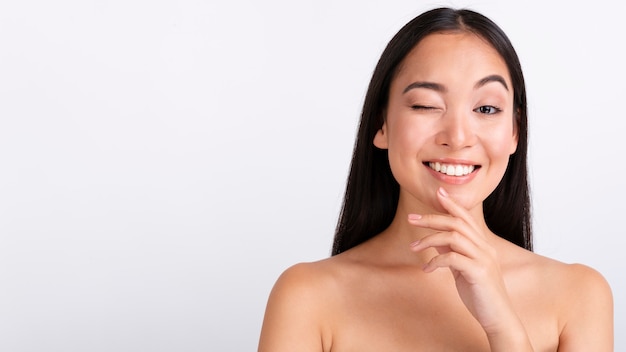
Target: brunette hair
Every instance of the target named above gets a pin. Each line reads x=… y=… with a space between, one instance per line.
x=371 y=196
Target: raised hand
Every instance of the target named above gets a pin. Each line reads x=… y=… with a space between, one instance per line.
x=462 y=246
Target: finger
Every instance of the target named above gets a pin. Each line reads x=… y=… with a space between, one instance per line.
x=451 y=260
x=447 y=241
x=453 y=208
x=457 y=210
x=472 y=271
x=441 y=223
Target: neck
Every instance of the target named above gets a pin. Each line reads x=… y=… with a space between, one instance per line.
x=396 y=239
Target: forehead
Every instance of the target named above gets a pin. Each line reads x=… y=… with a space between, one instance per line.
x=455 y=57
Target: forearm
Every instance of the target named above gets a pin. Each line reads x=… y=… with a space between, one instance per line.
x=513 y=339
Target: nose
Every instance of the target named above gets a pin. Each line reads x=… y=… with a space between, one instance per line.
x=456 y=131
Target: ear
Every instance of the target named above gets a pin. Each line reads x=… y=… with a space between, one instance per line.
x=515 y=140
x=380 y=139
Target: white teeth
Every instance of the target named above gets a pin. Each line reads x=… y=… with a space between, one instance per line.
x=451 y=170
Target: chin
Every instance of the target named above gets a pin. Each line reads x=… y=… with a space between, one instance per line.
x=468 y=202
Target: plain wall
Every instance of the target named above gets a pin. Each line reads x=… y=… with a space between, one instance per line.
x=162 y=162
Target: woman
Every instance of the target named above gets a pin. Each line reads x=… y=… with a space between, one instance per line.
x=433 y=247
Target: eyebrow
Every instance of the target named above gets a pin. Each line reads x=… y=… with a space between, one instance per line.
x=441 y=88
x=427 y=85
x=491 y=78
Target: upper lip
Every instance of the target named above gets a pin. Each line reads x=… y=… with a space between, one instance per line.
x=452 y=161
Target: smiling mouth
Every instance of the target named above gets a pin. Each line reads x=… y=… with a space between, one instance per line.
x=452 y=169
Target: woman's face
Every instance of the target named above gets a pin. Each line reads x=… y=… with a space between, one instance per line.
x=450 y=120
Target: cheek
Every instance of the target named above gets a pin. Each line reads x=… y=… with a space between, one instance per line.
x=500 y=144
x=406 y=143
x=407 y=135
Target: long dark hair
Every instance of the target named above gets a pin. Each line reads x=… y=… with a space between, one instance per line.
x=372 y=193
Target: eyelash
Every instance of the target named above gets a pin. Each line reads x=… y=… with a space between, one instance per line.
x=495 y=108
x=478 y=109
x=422 y=107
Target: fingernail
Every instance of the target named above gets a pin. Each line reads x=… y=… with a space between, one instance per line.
x=443 y=192
x=413 y=244
x=414 y=217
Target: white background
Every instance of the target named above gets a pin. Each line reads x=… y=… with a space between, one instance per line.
x=162 y=162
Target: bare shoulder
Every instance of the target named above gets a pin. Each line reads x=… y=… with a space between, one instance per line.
x=569 y=282
x=573 y=282
x=585 y=279
x=310 y=281
x=577 y=294
x=297 y=308
x=552 y=273
x=587 y=314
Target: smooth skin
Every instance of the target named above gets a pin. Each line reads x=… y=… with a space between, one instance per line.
x=437 y=279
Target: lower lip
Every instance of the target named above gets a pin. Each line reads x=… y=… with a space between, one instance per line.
x=453 y=180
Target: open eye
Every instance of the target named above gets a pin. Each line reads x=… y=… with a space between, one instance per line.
x=487 y=109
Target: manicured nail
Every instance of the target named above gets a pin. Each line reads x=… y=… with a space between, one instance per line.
x=443 y=192
x=414 y=217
